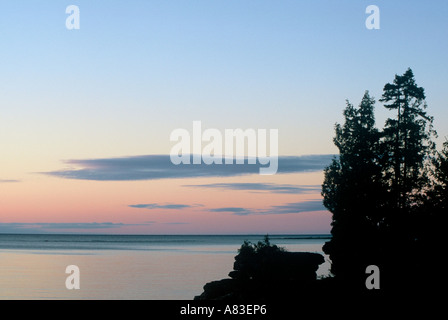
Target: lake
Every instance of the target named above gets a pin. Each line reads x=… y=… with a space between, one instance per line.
x=149 y=267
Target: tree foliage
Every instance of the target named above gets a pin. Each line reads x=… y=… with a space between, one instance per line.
x=387 y=189
x=407 y=139
x=261 y=247
x=440 y=174
x=350 y=181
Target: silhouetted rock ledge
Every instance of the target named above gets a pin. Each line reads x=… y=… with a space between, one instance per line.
x=265 y=272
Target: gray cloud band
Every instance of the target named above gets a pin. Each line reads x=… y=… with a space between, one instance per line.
x=153 y=167
x=295 y=207
x=262 y=187
x=40 y=226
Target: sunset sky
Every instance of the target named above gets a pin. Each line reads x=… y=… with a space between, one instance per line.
x=86 y=115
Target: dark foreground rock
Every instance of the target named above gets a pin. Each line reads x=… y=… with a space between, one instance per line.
x=264 y=272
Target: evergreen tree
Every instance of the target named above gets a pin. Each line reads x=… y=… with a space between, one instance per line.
x=406 y=148
x=352 y=191
x=440 y=196
x=388 y=191
x=429 y=223
x=406 y=140
x=432 y=215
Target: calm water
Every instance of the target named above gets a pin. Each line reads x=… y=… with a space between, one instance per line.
x=125 y=267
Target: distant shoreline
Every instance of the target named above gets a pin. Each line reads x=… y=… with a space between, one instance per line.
x=145 y=242
x=278 y=236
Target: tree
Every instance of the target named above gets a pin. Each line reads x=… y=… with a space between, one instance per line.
x=386 y=209
x=431 y=217
x=406 y=140
x=440 y=162
x=352 y=191
x=407 y=149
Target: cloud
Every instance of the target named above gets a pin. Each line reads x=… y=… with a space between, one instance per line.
x=83 y=225
x=176 y=223
x=235 y=210
x=151 y=167
x=272 y=187
x=76 y=226
x=294 y=207
x=174 y=206
x=8 y=180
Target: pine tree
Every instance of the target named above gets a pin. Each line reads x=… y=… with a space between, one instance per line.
x=406 y=140
x=440 y=162
x=387 y=190
x=352 y=191
x=406 y=148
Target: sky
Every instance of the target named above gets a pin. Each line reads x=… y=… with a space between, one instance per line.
x=86 y=114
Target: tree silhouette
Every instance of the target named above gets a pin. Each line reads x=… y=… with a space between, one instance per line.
x=387 y=190
x=352 y=191
x=430 y=219
x=406 y=148
x=440 y=173
x=406 y=140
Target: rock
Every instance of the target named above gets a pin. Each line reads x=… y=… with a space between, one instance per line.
x=279 y=265
x=266 y=274
x=218 y=290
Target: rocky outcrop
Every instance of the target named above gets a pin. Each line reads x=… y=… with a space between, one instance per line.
x=266 y=272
